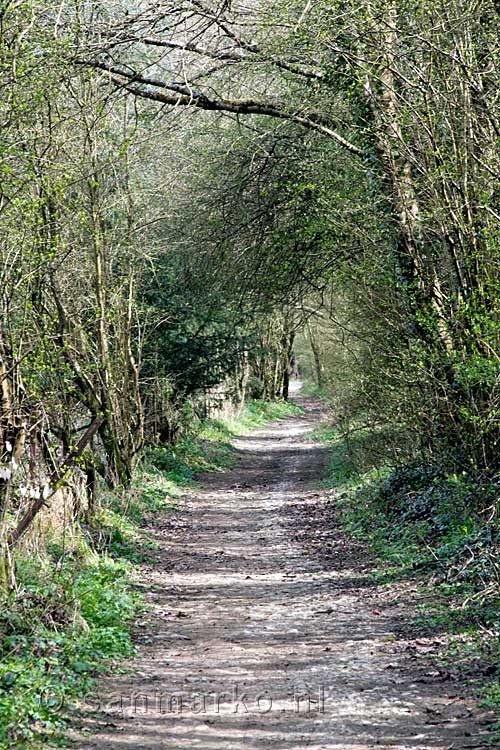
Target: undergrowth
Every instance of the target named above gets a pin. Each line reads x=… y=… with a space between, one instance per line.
x=69 y=614
x=74 y=603
x=438 y=527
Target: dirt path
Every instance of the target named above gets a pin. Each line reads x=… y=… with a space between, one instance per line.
x=265 y=629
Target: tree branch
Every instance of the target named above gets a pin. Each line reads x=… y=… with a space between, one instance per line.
x=187 y=97
x=54 y=483
x=232 y=56
x=190 y=47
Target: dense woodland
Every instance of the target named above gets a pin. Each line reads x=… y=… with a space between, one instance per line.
x=194 y=191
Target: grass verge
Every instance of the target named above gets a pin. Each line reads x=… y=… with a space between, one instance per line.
x=74 y=603
x=438 y=528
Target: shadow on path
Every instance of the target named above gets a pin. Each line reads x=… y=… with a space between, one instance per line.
x=266 y=630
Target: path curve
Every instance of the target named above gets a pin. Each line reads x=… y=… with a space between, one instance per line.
x=266 y=630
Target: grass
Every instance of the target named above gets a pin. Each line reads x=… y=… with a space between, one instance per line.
x=210 y=448
x=75 y=603
x=255 y=414
x=435 y=527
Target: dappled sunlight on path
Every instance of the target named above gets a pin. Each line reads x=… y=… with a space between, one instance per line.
x=266 y=630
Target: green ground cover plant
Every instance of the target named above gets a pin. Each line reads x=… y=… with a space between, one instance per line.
x=437 y=528
x=74 y=603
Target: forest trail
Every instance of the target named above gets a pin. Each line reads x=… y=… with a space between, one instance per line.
x=266 y=630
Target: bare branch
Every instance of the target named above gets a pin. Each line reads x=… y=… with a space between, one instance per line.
x=186 y=97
